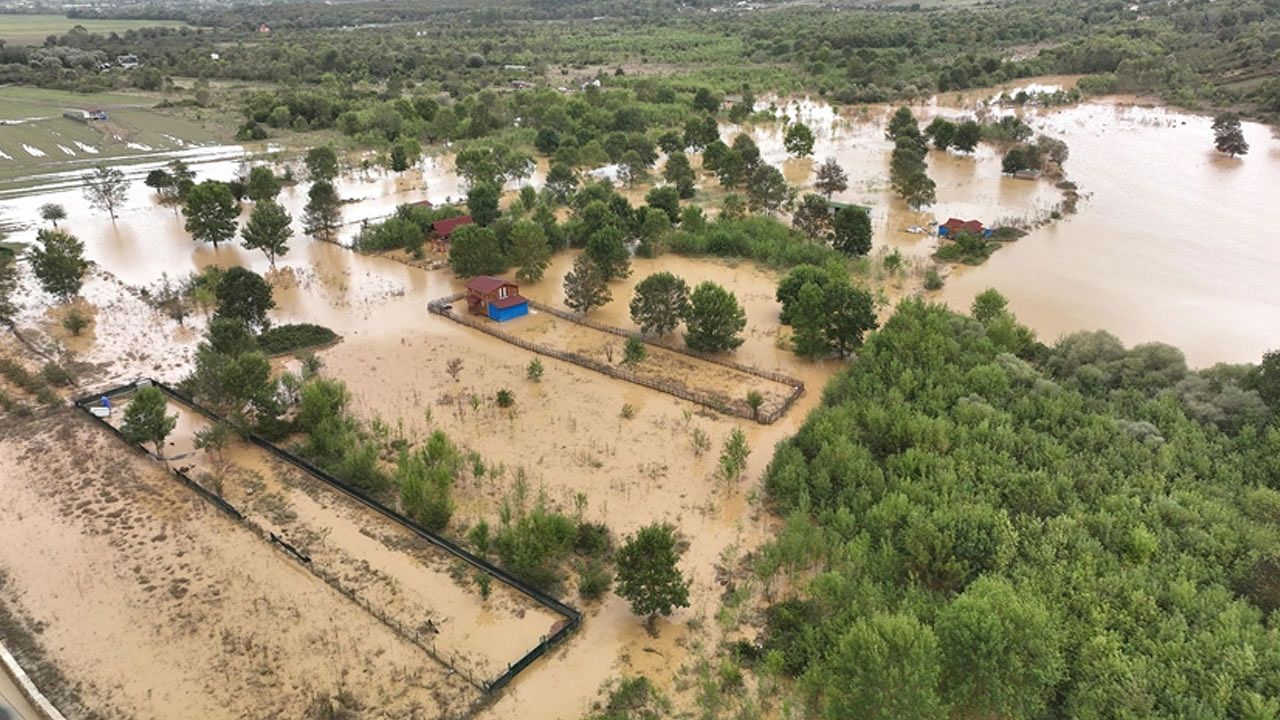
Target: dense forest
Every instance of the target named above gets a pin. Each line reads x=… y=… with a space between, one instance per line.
x=983 y=526
x=1195 y=53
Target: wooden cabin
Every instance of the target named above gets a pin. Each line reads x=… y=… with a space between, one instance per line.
x=499 y=299
x=442 y=229
x=955 y=226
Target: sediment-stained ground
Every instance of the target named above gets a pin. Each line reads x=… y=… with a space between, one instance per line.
x=127 y=596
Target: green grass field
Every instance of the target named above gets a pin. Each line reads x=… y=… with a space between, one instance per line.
x=33 y=29
x=35 y=139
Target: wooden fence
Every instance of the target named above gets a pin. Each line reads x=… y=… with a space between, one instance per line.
x=737 y=407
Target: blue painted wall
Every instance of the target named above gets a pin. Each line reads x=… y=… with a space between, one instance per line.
x=506 y=314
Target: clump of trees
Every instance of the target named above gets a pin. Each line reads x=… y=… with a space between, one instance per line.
x=907 y=169
x=826 y=312
x=425 y=478
x=1011 y=594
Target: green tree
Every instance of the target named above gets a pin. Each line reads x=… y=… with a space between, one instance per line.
x=666 y=199
x=967 y=136
x=262 y=184
x=942 y=131
x=474 y=250
x=798 y=140
x=809 y=321
x=851 y=231
x=988 y=305
x=1002 y=653
x=680 y=173
x=530 y=251
x=244 y=295
x=561 y=181
x=1228 y=135
x=58 y=262
x=633 y=352
x=830 y=178
x=715 y=319
x=322 y=164
x=850 y=314
x=268 y=230
x=321 y=217
x=812 y=217
x=903 y=124
x=145 y=420
x=585 y=287
x=768 y=191
x=163 y=183
x=660 y=303
x=747 y=149
x=1268 y=378
x=53 y=212
x=607 y=250
x=885 y=667
x=105 y=188
x=8 y=288
x=211 y=212
x=729 y=166
x=405 y=152
x=790 y=284
x=482 y=202
x=647 y=574
x=919 y=190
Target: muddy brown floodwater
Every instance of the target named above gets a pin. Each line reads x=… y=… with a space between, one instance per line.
x=1168 y=244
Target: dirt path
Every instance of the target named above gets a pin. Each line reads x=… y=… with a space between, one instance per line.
x=151 y=604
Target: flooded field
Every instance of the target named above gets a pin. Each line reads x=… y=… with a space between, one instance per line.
x=1147 y=258
x=155 y=605
x=421 y=588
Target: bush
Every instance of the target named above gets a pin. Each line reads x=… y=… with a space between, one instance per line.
x=534 y=371
x=284 y=339
x=55 y=374
x=505 y=398
x=75 y=321
x=932 y=280
x=594 y=579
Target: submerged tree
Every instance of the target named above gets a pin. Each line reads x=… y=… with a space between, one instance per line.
x=660 y=303
x=211 y=212
x=322 y=163
x=145 y=420
x=530 y=251
x=8 y=288
x=715 y=319
x=798 y=140
x=321 y=216
x=244 y=295
x=585 y=286
x=830 y=178
x=105 y=188
x=851 y=231
x=268 y=230
x=647 y=574
x=1228 y=135
x=53 y=212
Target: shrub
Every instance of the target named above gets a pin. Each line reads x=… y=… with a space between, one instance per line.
x=505 y=398
x=594 y=579
x=284 y=339
x=534 y=371
x=75 y=321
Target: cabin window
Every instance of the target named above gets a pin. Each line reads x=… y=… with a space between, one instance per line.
x=502 y=293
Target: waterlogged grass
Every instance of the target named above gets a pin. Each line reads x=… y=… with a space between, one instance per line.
x=33 y=29
x=36 y=138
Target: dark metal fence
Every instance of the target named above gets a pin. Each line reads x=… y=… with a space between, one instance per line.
x=572 y=617
x=738 y=407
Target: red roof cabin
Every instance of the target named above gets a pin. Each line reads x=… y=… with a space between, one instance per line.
x=499 y=299
x=955 y=226
x=442 y=229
